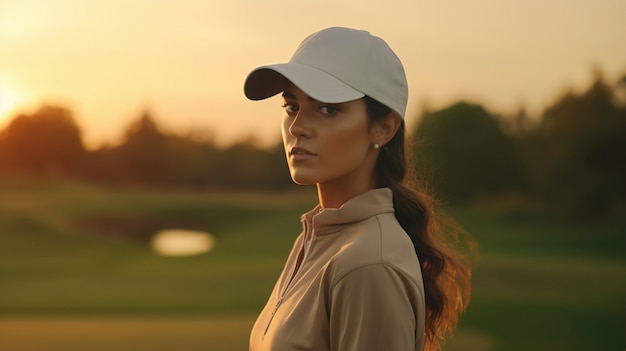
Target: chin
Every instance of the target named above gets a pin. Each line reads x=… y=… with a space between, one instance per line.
x=302 y=179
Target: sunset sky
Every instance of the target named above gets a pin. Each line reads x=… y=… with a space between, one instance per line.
x=186 y=60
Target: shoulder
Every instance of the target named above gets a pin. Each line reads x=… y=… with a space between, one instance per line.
x=376 y=241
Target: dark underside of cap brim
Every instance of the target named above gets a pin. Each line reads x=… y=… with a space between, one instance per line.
x=264 y=83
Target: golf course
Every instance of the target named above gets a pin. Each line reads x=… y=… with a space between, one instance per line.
x=77 y=271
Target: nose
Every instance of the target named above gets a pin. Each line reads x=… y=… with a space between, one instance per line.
x=299 y=127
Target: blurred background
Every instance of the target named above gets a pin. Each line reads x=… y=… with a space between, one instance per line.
x=145 y=204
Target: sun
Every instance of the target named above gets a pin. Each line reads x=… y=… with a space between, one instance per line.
x=11 y=101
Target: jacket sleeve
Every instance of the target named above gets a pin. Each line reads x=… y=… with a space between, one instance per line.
x=373 y=308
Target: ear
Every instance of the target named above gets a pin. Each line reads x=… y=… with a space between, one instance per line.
x=385 y=129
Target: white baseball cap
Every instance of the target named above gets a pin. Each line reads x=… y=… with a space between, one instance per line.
x=337 y=65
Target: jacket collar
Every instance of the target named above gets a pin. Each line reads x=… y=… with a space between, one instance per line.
x=359 y=208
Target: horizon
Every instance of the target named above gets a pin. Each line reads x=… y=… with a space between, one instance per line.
x=185 y=62
x=209 y=135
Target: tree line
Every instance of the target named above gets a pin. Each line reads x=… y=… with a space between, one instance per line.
x=573 y=158
x=48 y=143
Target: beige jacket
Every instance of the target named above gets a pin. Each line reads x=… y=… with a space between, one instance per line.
x=352 y=282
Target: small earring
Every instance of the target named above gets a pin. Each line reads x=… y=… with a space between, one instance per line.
x=376 y=146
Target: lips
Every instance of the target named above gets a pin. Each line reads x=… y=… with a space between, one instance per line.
x=301 y=154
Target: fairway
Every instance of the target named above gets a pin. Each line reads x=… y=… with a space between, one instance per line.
x=228 y=333
x=77 y=272
x=223 y=333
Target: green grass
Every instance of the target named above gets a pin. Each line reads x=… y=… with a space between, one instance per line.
x=547 y=284
x=70 y=277
x=50 y=264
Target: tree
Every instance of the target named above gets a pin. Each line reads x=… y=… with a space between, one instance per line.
x=46 y=142
x=244 y=165
x=468 y=153
x=577 y=155
x=142 y=153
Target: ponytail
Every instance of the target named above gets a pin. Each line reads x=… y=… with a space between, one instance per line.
x=446 y=272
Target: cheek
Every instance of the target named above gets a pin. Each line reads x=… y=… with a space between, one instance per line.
x=355 y=131
x=348 y=145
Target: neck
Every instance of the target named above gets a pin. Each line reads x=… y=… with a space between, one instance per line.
x=335 y=195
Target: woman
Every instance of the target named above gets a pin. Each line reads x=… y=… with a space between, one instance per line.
x=370 y=270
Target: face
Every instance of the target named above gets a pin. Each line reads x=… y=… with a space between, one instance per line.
x=327 y=143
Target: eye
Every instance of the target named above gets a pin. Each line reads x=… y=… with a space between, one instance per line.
x=290 y=108
x=328 y=110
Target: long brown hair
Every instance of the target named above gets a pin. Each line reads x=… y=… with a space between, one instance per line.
x=446 y=272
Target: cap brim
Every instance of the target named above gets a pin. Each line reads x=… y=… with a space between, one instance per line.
x=267 y=81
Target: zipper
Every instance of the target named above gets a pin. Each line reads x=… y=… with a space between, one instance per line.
x=294 y=276
x=280 y=300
